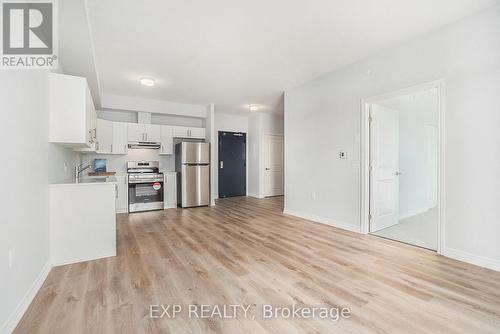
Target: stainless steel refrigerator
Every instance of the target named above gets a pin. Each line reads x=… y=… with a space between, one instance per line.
x=192 y=163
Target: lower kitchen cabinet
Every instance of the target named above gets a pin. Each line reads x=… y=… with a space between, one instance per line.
x=82 y=222
x=170 y=190
x=122 y=195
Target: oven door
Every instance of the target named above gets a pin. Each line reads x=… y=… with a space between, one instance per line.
x=145 y=196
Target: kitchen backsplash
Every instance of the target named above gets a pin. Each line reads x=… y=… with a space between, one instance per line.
x=118 y=163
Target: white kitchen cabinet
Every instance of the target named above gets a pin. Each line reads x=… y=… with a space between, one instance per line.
x=153 y=132
x=104 y=136
x=198 y=133
x=188 y=132
x=170 y=190
x=167 y=140
x=144 y=132
x=122 y=197
x=82 y=222
x=135 y=132
x=72 y=115
x=111 y=137
x=119 y=138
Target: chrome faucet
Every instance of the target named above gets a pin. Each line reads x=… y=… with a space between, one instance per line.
x=80 y=168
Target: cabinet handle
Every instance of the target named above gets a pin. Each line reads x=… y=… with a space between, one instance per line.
x=116 y=191
x=111 y=148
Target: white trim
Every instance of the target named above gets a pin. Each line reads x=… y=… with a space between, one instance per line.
x=14 y=318
x=478 y=260
x=254 y=195
x=365 y=154
x=413 y=213
x=130 y=103
x=322 y=220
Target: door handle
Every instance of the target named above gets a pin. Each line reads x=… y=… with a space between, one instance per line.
x=398 y=173
x=268 y=168
x=222 y=164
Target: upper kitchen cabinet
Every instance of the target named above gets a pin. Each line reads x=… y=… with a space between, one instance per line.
x=73 y=118
x=153 y=132
x=144 y=132
x=188 y=132
x=167 y=140
x=119 y=138
x=111 y=137
x=135 y=132
x=104 y=136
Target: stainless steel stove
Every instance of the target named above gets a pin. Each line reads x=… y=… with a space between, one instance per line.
x=145 y=186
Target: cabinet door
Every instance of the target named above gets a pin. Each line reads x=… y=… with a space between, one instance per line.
x=104 y=136
x=170 y=190
x=198 y=133
x=122 y=199
x=90 y=121
x=167 y=140
x=181 y=132
x=135 y=132
x=119 y=138
x=153 y=132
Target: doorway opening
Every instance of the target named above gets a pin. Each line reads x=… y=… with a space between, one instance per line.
x=402 y=155
x=273 y=162
x=232 y=164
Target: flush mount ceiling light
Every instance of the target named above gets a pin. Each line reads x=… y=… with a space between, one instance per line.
x=254 y=107
x=150 y=82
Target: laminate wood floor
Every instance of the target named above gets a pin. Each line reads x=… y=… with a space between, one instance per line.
x=245 y=251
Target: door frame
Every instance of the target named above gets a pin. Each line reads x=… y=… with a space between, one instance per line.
x=262 y=166
x=365 y=154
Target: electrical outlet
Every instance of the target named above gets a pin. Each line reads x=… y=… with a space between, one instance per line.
x=12 y=257
x=343 y=155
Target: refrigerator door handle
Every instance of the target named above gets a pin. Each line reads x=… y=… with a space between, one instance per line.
x=221 y=164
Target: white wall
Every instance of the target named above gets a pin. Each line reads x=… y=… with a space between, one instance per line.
x=322 y=117
x=29 y=163
x=230 y=123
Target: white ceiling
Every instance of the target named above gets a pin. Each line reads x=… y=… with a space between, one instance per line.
x=234 y=53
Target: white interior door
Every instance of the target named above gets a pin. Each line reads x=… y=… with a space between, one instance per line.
x=384 y=171
x=273 y=162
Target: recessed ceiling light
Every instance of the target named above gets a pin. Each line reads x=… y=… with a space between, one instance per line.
x=253 y=107
x=150 y=82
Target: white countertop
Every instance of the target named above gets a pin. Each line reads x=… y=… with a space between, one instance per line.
x=87 y=180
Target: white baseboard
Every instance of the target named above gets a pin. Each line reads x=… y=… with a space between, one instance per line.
x=323 y=220
x=413 y=213
x=25 y=302
x=254 y=195
x=478 y=260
